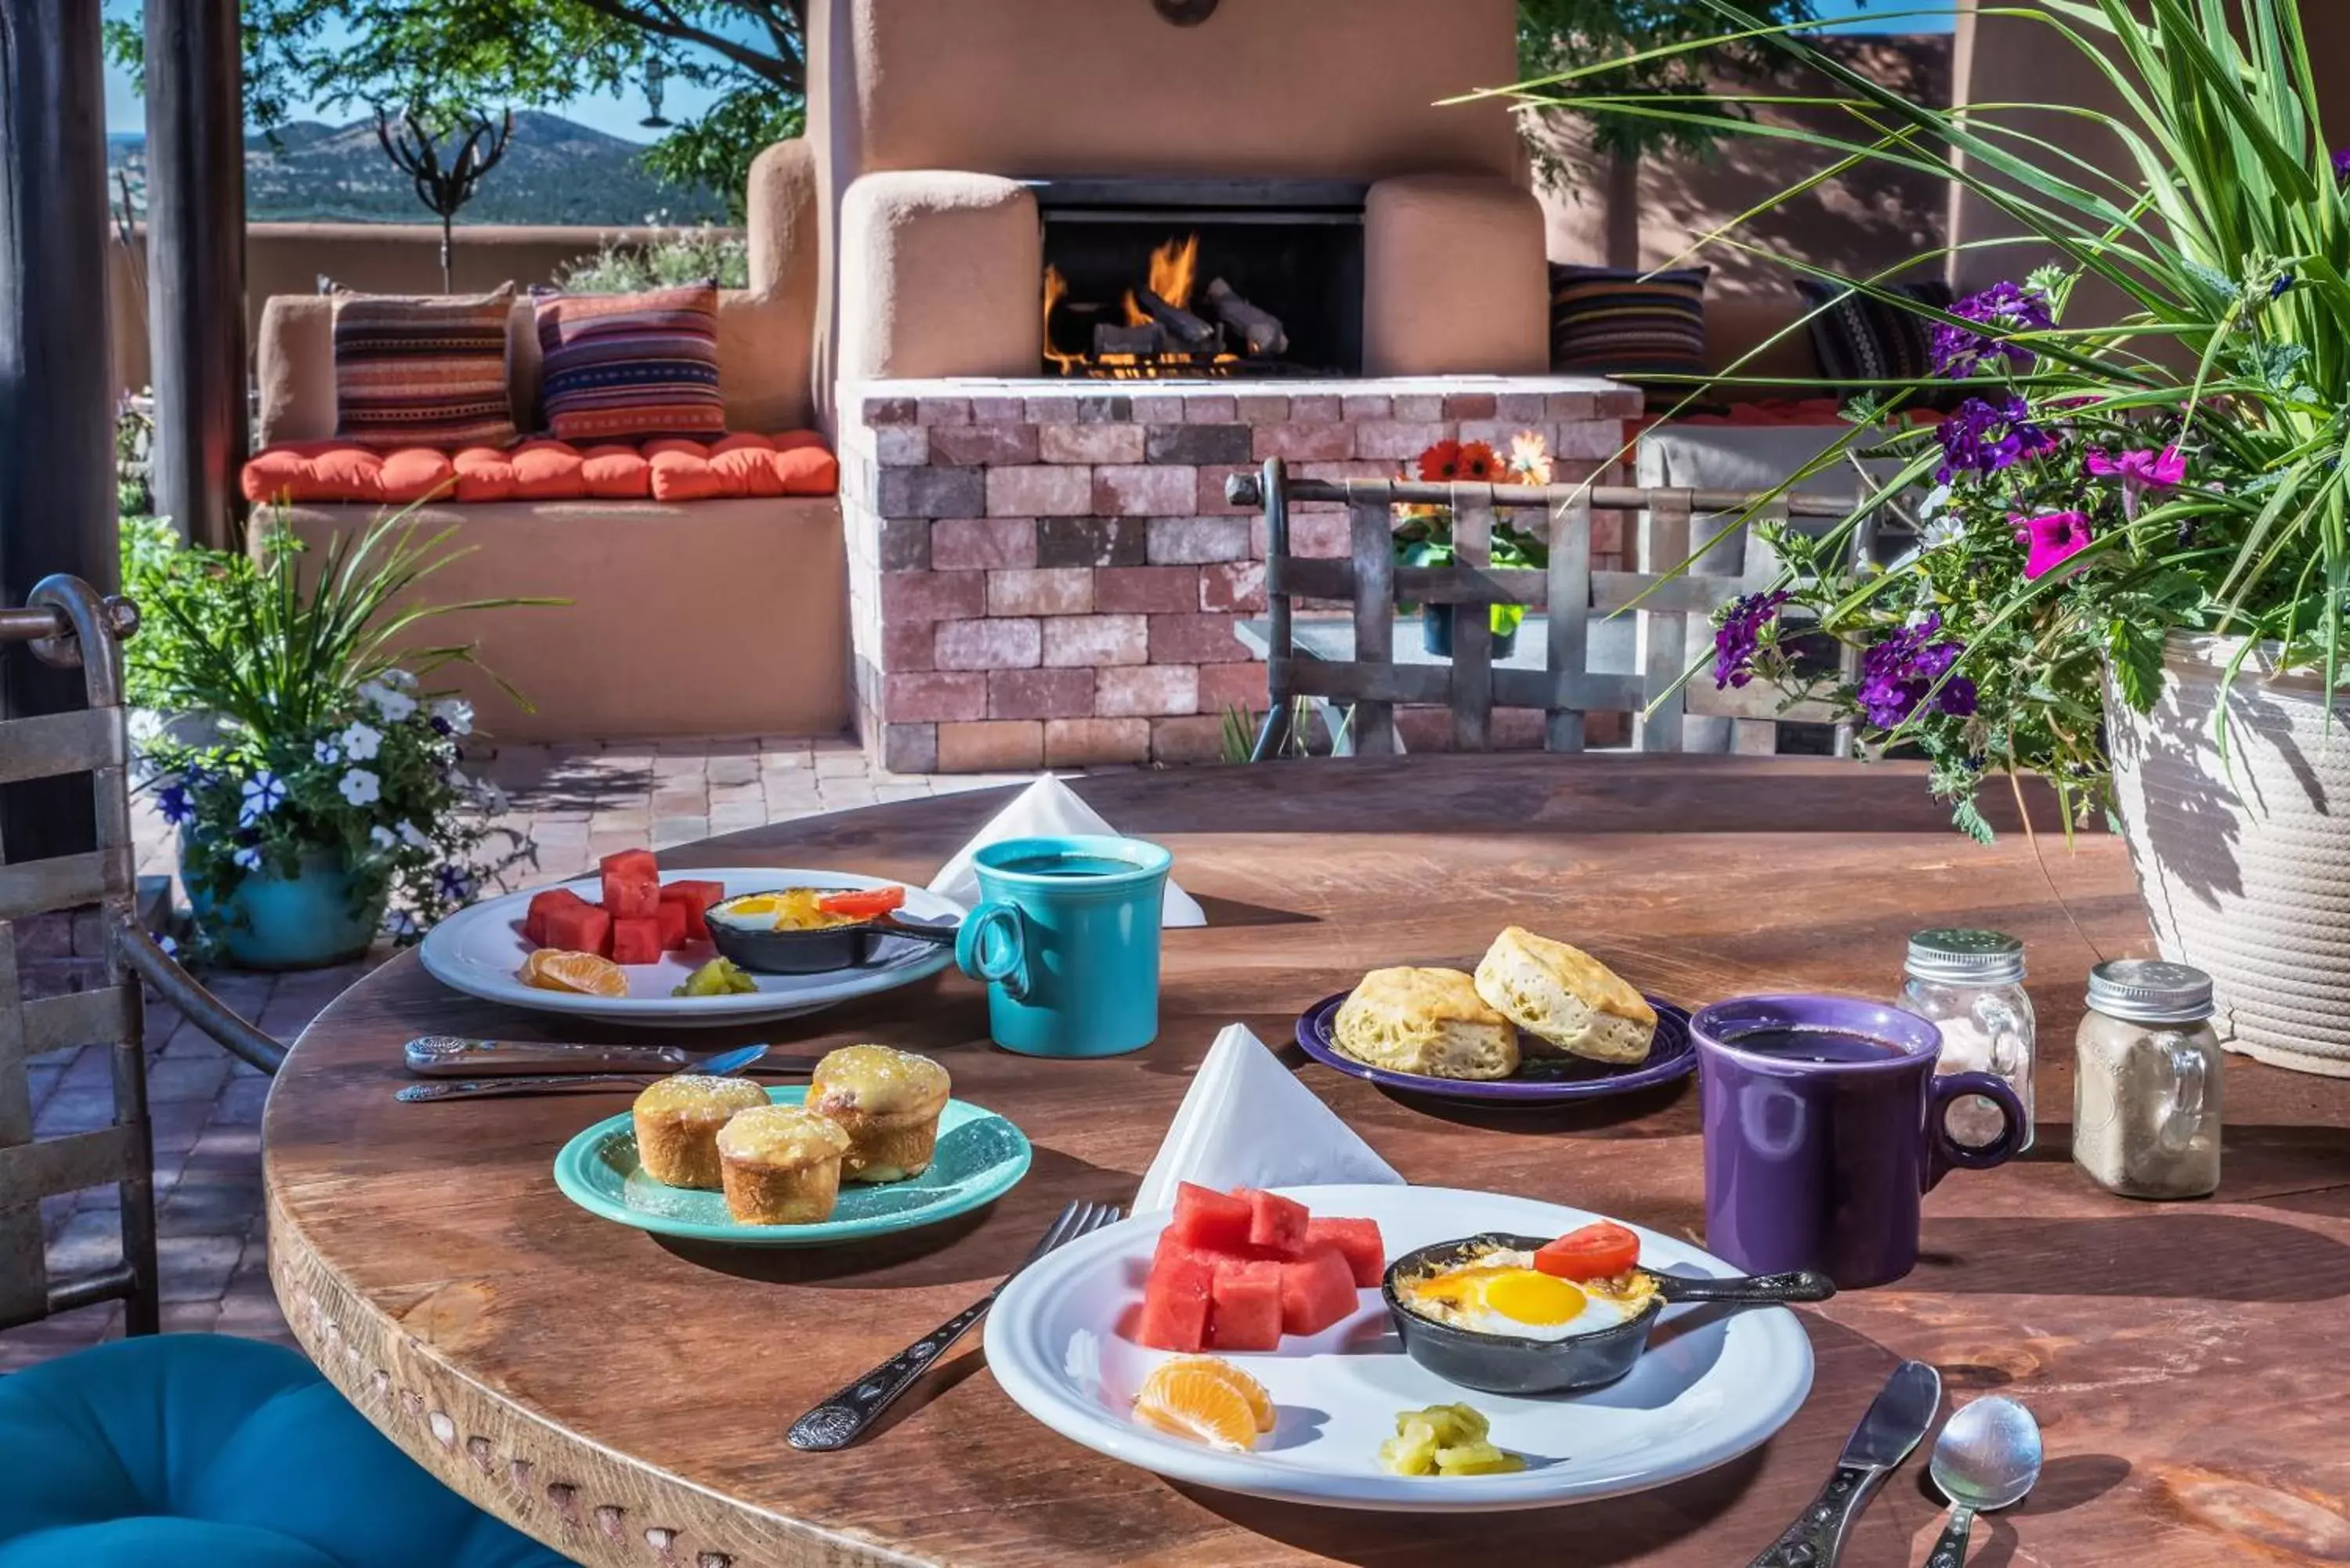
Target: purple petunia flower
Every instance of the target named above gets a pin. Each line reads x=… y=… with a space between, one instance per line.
x=2139 y=471
x=2050 y=539
x=2342 y=164
x=1740 y=637
x=1982 y=437
x=1959 y=352
x=173 y=801
x=455 y=885
x=1896 y=675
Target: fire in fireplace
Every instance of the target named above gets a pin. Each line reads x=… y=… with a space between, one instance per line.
x=1199 y=278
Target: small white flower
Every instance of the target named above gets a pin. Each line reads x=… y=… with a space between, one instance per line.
x=362 y=787
x=392 y=704
x=382 y=837
x=249 y=858
x=455 y=713
x=360 y=742
x=413 y=836
x=328 y=753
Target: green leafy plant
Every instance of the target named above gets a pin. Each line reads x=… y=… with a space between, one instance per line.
x=670 y=256
x=297 y=720
x=2173 y=462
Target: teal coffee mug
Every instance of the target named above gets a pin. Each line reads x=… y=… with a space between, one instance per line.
x=1067 y=937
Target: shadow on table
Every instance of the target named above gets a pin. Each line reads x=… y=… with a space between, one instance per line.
x=2178 y=1255
x=2066 y=1482
x=1233 y=912
x=1624 y=1116
x=1735 y=1510
x=977 y=1249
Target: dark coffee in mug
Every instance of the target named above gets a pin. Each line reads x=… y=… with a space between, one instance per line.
x=1803 y=1044
x=1067 y=865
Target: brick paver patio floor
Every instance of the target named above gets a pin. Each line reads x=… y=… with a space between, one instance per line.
x=577 y=803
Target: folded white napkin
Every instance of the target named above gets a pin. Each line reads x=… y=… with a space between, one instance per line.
x=1045 y=808
x=1246 y=1121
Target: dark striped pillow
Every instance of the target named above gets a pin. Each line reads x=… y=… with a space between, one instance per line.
x=1622 y=322
x=1860 y=339
x=427 y=370
x=624 y=367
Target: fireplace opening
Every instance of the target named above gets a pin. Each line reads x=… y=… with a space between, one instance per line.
x=1152 y=279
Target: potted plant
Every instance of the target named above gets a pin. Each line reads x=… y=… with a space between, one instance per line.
x=1424 y=535
x=313 y=776
x=2136 y=560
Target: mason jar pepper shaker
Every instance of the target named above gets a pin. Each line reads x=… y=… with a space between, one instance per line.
x=2147 y=1087
x=1969 y=983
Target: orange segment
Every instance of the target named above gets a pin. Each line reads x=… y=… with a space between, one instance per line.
x=1205 y=1399
x=554 y=968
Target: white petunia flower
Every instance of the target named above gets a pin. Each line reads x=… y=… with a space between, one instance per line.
x=382 y=837
x=249 y=858
x=455 y=713
x=362 y=787
x=263 y=793
x=328 y=753
x=361 y=742
x=393 y=705
x=413 y=836
x=398 y=680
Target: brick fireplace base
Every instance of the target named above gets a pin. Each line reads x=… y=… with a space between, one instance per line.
x=1045 y=574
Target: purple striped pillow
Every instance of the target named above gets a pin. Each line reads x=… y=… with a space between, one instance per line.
x=423 y=370
x=625 y=366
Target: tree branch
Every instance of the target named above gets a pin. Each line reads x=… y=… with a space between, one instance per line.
x=790 y=74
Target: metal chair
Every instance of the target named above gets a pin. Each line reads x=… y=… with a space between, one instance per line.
x=68 y=626
x=1569 y=592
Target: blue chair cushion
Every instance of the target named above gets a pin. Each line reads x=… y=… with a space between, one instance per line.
x=174 y=1450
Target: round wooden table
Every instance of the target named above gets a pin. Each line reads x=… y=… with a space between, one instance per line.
x=625 y=1400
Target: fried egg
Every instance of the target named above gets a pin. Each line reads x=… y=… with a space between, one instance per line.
x=1502 y=1292
x=788 y=909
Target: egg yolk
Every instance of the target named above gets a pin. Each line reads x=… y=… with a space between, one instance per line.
x=1522 y=1295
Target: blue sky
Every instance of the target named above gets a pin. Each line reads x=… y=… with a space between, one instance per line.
x=618 y=117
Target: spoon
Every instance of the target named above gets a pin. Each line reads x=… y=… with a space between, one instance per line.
x=1987 y=1457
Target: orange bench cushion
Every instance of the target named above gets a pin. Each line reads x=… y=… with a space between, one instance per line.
x=795 y=463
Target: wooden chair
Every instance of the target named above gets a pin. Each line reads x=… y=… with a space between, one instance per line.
x=1569 y=593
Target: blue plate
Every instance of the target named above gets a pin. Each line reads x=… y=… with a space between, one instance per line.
x=980 y=1157
x=1539 y=1080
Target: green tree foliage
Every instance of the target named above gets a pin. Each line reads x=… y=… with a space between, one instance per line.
x=438 y=57
x=1659 y=42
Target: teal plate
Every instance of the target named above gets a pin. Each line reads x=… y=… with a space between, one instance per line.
x=980 y=1157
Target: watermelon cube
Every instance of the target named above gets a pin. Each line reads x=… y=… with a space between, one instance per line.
x=631 y=884
x=1356 y=1241
x=670 y=915
x=1175 y=1301
x=1315 y=1292
x=1276 y=1224
x=534 y=925
x=1244 y=1306
x=697 y=897
x=579 y=927
x=1211 y=1220
x=636 y=939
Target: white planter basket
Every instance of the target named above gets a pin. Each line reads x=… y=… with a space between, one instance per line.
x=2244 y=861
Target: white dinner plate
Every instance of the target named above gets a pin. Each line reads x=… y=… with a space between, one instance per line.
x=478 y=950
x=1712 y=1384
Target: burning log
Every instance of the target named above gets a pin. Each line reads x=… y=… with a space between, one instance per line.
x=1184 y=330
x=1144 y=342
x=1260 y=329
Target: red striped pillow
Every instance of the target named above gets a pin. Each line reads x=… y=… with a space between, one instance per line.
x=424 y=371
x=626 y=366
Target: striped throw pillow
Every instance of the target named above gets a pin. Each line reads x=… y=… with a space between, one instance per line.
x=1622 y=322
x=423 y=370
x=1860 y=339
x=624 y=367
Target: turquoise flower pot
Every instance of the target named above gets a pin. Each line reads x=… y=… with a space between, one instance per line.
x=299 y=923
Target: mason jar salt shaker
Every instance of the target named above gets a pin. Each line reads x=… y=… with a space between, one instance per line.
x=2146 y=1090
x=1970 y=985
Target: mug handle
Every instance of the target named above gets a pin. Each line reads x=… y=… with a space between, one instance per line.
x=991 y=945
x=1945 y=1153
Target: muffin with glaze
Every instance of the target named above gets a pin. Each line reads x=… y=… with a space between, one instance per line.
x=677 y=1120
x=781 y=1165
x=888 y=1101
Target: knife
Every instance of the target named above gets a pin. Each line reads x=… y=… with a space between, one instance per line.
x=1903 y=1411
x=721 y=1065
x=454 y=1056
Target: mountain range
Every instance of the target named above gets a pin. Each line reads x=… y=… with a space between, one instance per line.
x=554 y=171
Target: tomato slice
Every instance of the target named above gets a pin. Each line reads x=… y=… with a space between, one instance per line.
x=1595 y=1252
x=864 y=903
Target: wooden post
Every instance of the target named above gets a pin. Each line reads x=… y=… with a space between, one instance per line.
x=195 y=262
x=57 y=391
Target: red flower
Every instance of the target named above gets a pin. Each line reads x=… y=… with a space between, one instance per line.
x=1441 y=461
x=1479 y=464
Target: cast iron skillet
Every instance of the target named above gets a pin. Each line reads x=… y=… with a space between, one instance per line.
x=1506 y=1364
x=820 y=949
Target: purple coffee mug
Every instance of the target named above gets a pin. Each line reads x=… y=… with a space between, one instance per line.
x=1824 y=1127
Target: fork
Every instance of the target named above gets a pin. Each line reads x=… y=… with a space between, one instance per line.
x=850 y=1413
